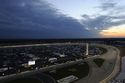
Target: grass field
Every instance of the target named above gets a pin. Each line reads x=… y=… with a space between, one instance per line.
x=99 y=62
x=25 y=80
x=79 y=70
x=122 y=50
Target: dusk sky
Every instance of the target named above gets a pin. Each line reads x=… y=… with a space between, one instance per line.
x=62 y=19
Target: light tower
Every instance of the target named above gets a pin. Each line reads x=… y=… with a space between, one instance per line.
x=87 y=49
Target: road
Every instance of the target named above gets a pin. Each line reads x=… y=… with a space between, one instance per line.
x=13 y=46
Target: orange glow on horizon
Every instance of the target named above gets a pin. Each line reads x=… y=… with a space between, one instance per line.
x=117 y=31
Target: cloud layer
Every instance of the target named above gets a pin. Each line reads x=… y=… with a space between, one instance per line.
x=110 y=15
x=37 y=19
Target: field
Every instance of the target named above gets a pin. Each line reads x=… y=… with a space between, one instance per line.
x=78 y=70
x=122 y=50
x=25 y=80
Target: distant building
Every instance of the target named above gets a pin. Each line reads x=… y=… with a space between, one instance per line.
x=52 y=59
x=60 y=55
x=68 y=79
x=3 y=69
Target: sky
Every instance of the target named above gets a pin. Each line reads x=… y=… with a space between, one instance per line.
x=50 y=19
x=75 y=8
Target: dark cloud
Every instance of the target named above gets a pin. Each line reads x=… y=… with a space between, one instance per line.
x=102 y=22
x=112 y=7
x=37 y=19
x=107 y=6
x=96 y=24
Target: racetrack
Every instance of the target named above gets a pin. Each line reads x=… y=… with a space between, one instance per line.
x=96 y=74
x=109 y=69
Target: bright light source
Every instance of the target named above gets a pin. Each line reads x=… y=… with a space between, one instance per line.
x=31 y=63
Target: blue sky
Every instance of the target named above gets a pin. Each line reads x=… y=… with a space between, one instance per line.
x=76 y=8
x=41 y=19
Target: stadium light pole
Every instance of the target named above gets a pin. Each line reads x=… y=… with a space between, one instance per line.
x=87 y=49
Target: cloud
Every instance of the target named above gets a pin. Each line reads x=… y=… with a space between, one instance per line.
x=111 y=15
x=102 y=21
x=107 y=6
x=37 y=19
x=98 y=22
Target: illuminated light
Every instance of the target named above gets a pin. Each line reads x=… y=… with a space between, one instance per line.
x=116 y=31
x=31 y=63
